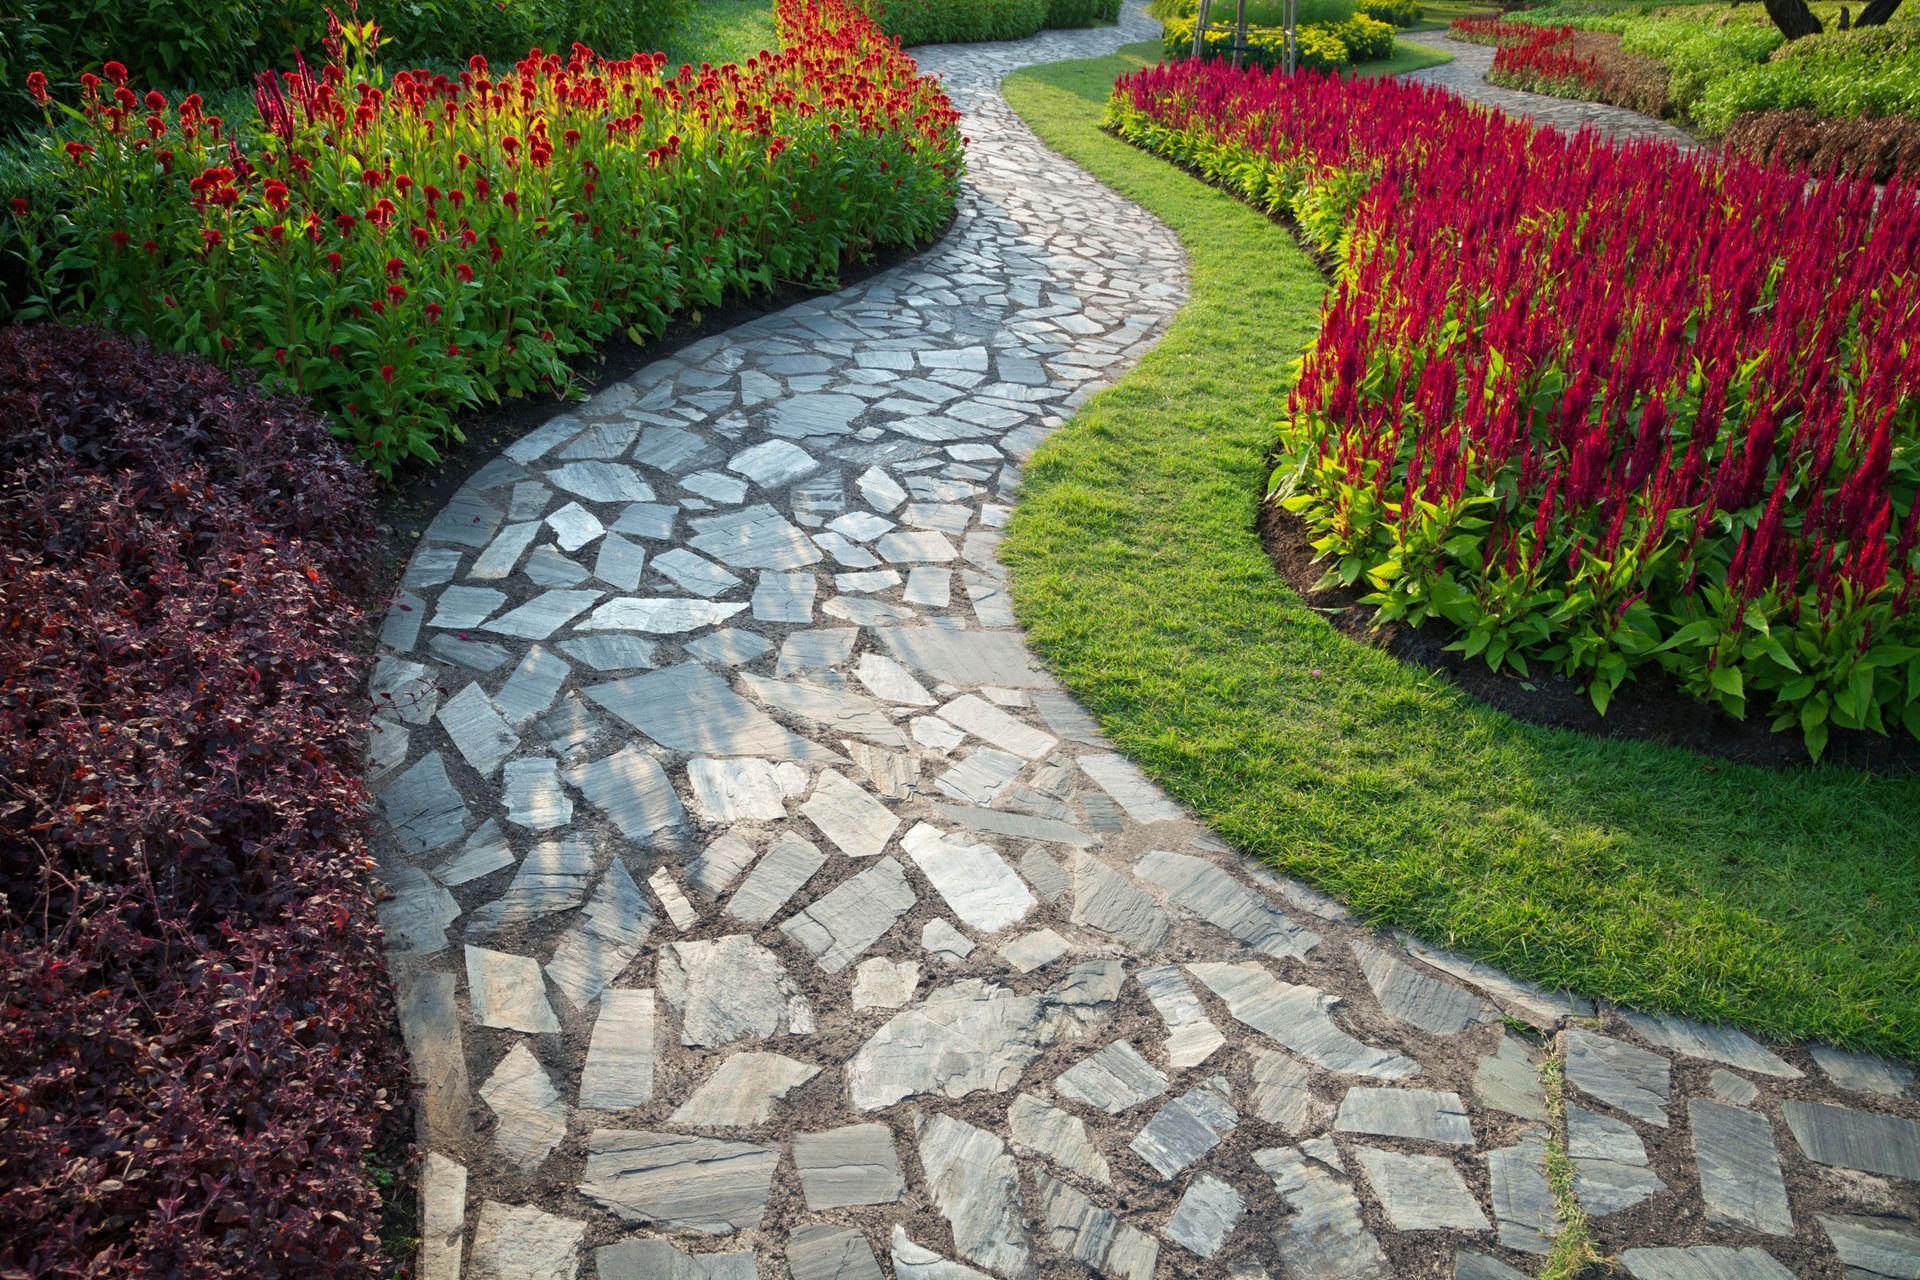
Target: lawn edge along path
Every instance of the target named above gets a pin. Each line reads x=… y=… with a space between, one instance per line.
x=1641 y=874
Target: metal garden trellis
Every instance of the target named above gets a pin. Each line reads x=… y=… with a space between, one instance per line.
x=1291 y=17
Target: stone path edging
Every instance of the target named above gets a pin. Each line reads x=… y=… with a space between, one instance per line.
x=1466 y=76
x=760 y=908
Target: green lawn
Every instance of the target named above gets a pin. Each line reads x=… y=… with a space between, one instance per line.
x=1406 y=57
x=719 y=31
x=1789 y=902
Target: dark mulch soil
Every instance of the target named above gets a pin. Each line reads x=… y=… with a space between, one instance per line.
x=1649 y=707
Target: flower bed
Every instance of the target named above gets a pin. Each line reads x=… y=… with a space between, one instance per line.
x=1568 y=63
x=1320 y=46
x=1599 y=409
x=195 y=1036
x=401 y=250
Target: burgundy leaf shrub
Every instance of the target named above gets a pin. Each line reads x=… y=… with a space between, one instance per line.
x=195 y=1027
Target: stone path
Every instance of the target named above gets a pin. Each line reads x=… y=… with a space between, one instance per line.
x=1466 y=75
x=759 y=908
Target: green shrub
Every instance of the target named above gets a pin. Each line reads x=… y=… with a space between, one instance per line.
x=1262 y=13
x=1837 y=88
x=1081 y=13
x=1697 y=54
x=1399 y=13
x=947 y=21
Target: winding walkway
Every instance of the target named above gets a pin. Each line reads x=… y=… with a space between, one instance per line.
x=1466 y=76
x=760 y=908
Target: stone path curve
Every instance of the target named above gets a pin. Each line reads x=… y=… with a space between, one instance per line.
x=759 y=908
x=1466 y=76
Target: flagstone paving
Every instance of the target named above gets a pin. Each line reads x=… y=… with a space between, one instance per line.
x=759 y=907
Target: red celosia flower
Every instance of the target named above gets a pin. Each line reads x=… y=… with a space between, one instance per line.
x=37 y=86
x=386 y=373
x=116 y=72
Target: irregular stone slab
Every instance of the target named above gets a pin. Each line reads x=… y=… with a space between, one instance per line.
x=1298 y=1018
x=853 y=1165
x=962 y=1039
x=532 y=1117
x=857 y=823
x=1716 y=1044
x=773 y=463
x=1740 y=1180
x=531 y=793
x=632 y=789
x=823 y=649
x=945 y=943
x=552 y=877
x=423 y=810
x=756 y=537
x=714 y=868
x=694 y=573
x=1737 y=1089
x=474 y=655
x=468 y=519
x=463 y=608
x=976 y=881
x=673 y=1181
x=601 y=482
x=1325 y=1238
x=884 y=984
x=728 y=989
x=890 y=682
x=520 y=1242
x=980 y=777
x=771 y=884
x=405 y=690
x=715 y=486
x=963 y=657
x=541 y=616
x=1206 y=1216
x=604 y=941
x=658 y=1260
x=1107 y=901
x=824 y=1252
x=1412 y=995
x=731 y=647
x=1216 y=897
x=1619 y=1074
x=1542 y=1008
x=1187 y=1128
x=1509 y=1080
x=443 y=1217
x=831 y=709
x=1864 y=1073
x=619 y=563
x=507 y=991
x=619 y=1067
x=845 y=921
x=416 y=916
x=1523 y=1207
x=728 y=725
x=894 y=774
x=478 y=731
x=1114 y=1079
x=1017 y=826
x=1191 y=1036
x=535 y=681
x=573 y=528
x=1092 y=1235
x=431 y=1028
x=1040 y=1127
x=736 y=790
x=1861 y=1140
x=647 y=520
x=670 y=449
x=975 y=1185
x=1421 y=1193
x=992 y=725
x=1123 y=780
x=1034 y=950
x=912 y=1262
x=1468 y=1265
x=741 y=1093
x=1282 y=1091
x=660 y=615
x=1419 y=1115
x=784 y=597
x=1873 y=1248
x=1703 y=1262
x=675 y=903
x=1045 y=874
x=1610 y=1172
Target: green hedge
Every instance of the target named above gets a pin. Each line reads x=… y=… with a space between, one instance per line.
x=1399 y=13
x=960 y=21
x=212 y=44
x=1082 y=13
